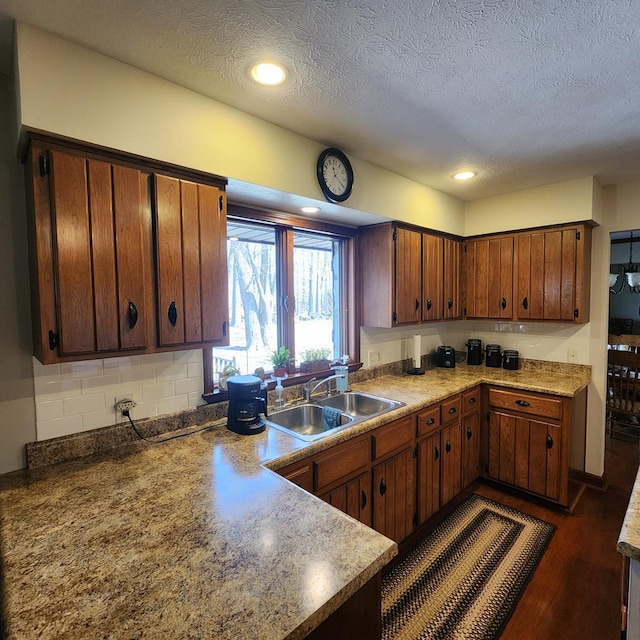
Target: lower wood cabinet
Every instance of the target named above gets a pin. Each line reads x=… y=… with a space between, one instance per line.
x=428 y=476
x=353 y=498
x=471 y=436
x=525 y=453
x=399 y=475
x=528 y=439
x=394 y=489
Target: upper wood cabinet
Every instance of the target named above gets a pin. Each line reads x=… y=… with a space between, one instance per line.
x=90 y=253
x=553 y=275
x=191 y=250
x=489 y=277
x=543 y=274
x=452 y=278
x=408 y=276
x=95 y=289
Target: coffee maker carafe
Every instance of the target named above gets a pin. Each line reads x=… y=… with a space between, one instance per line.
x=246 y=401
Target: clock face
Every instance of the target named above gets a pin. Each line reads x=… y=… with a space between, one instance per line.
x=335 y=175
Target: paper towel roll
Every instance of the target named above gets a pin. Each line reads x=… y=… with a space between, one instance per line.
x=417 y=350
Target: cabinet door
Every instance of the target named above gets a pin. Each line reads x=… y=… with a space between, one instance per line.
x=432 y=277
x=428 y=476
x=451 y=462
x=353 y=498
x=548 y=274
x=525 y=453
x=470 y=448
x=451 y=279
x=100 y=237
x=490 y=277
x=192 y=263
x=408 y=278
x=394 y=487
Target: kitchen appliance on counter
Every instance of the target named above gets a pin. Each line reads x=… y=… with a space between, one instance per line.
x=247 y=400
x=510 y=359
x=474 y=351
x=446 y=357
x=493 y=356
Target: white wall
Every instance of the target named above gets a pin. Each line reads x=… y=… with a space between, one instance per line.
x=569 y=201
x=17 y=421
x=75 y=92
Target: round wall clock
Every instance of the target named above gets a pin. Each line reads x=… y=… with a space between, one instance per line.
x=335 y=175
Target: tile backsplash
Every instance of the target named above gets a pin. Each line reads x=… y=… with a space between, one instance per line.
x=536 y=341
x=78 y=396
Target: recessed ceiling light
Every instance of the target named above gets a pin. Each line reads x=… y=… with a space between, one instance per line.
x=268 y=73
x=310 y=209
x=464 y=175
x=233 y=238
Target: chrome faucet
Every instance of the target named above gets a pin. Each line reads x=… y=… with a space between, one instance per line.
x=308 y=390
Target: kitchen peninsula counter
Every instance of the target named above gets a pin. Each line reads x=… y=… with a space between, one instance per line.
x=195 y=537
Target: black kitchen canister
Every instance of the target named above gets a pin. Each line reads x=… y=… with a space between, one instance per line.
x=494 y=356
x=510 y=359
x=474 y=351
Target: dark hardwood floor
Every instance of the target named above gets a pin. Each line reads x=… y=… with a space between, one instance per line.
x=575 y=591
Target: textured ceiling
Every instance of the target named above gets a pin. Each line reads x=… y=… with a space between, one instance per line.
x=525 y=92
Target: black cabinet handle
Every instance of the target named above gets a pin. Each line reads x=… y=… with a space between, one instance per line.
x=429 y=304
x=523 y=403
x=469 y=433
x=430 y=421
x=132 y=315
x=472 y=400
x=449 y=303
x=383 y=487
x=417 y=304
x=172 y=314
x=525 y=303
x=224 y=327
x=549 y=442
x=363 y=502
x=448 y=446
x=503 y=303
x=437 y=453
x=452 y=410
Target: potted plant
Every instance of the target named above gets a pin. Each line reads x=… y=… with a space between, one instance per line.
x=225 y=374
x=280 y=361
x=315 y=360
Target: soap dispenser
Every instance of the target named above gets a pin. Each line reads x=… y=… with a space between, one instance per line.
x=278 y=403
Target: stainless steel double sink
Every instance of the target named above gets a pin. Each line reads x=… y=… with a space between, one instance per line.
x=308 y=421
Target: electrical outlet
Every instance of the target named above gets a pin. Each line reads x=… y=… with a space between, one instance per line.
x=573 y=354
x=374 y=358
x=124 y=404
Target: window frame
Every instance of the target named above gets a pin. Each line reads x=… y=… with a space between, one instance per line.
x=285 y=225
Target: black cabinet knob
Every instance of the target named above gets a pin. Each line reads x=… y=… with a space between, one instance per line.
x=132 y=315
x=172 y=314
x=383 y=487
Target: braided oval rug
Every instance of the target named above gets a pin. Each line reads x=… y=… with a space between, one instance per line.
x=465 y=578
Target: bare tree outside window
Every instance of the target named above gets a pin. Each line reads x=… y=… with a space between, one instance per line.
x=253 y=296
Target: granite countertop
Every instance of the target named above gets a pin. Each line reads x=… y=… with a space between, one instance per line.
x=629 y=539
x=195 y=537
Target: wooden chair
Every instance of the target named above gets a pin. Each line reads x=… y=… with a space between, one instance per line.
x=623 y=392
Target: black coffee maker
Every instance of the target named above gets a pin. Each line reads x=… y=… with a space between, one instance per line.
x=246 y=401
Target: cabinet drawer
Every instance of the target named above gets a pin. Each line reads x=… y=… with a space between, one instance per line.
x=451 y=409
x=341 y=462
x=471 y=401
x=543 y=406
x=428 y=421
x=392 y=437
